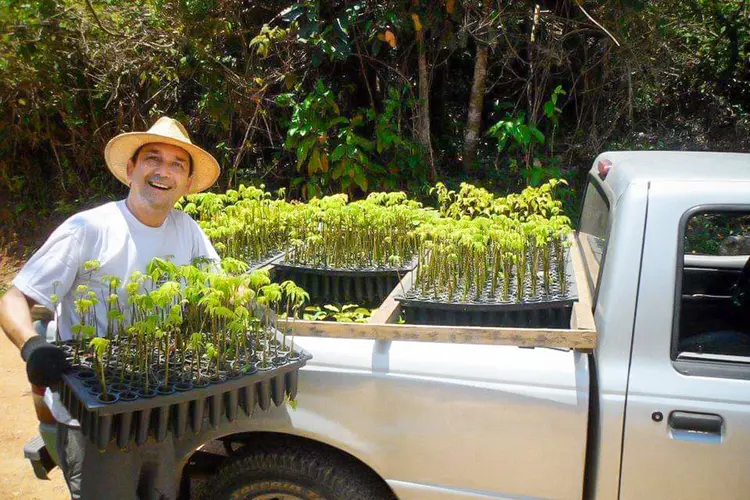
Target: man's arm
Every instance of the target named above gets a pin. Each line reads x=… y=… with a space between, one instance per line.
x=45 y=362
x=15 y=317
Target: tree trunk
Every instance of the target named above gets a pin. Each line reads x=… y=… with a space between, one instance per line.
x=423 y=122
x=424 y=108
x=476 y=104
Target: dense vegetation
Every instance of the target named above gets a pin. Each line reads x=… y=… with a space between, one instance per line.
x=474 y=246
x=354 y=95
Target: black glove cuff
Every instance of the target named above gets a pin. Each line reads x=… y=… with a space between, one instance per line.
x=30 y=346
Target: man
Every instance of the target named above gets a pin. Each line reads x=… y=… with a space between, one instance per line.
x=160 y=166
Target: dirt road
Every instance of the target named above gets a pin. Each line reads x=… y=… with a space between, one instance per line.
x=17 y=426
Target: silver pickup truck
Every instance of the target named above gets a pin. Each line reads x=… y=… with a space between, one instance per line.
x=660 y=408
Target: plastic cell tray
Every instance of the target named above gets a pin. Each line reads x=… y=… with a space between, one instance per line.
x=134 y=421
x=342 y=285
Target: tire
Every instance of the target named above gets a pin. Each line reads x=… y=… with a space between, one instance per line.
x=294 y=472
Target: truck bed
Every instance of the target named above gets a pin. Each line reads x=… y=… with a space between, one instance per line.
x=581 y=335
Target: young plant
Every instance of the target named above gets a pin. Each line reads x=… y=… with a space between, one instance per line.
x=100 y=347
x=85 y=306
x=195 y=346
x=296 y=297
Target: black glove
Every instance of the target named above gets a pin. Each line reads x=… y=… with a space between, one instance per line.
x=45 y=362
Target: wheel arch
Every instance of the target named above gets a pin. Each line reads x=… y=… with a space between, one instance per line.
x=270 y=438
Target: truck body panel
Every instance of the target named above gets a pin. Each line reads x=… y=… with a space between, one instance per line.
x=404 y=489
x=614 y=310
x=467 y=418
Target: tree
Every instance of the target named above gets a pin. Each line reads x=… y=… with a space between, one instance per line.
x=423 y=117
x=483 y=31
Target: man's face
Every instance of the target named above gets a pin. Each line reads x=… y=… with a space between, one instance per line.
x=159 y=176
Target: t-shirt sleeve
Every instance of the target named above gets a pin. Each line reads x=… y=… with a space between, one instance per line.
x=53 y=268
x=202 y=246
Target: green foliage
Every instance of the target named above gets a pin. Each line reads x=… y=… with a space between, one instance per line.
x=313 y=122
x=346 y=313
x=403 y=157
x=335 y=151
x=374 y=233
x=492 y=259
x=474 y=201
x=246 y=224
x=221 y=318
x=266 y=38
x=327 y=40
x=522 y=140
x=515 y=133
x=278 y=94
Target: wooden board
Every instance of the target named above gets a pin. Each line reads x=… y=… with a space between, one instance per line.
x=522 y=337
x=390 y=308
x=268 y=266
x=583 y=316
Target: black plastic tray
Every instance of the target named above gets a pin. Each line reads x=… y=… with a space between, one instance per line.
x=133 y=422
x=342 y=285
x=550 y=314
x=538 y=313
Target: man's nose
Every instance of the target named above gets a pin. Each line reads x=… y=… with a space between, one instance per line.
x=161 y=170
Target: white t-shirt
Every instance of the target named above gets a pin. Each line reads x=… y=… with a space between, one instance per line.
x=122 y=244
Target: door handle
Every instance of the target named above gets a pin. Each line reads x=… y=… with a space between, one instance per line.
x=703 y=423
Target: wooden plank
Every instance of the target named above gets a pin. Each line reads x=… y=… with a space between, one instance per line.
x=583 y=317
x=268 y=265
x=522 y=337
x=390 y=308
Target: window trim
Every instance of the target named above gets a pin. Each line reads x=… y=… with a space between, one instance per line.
x=697 y=365
x=605 y=191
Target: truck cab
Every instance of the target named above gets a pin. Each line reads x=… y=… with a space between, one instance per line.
x=670 y=371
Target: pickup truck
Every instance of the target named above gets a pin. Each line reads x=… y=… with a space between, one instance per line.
x=658 y=408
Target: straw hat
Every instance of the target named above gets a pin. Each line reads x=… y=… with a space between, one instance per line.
x=169 y=131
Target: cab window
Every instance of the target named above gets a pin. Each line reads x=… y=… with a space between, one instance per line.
x=712 y=320
x=593 y=231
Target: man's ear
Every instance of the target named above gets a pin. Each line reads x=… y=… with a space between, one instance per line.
x=129 y=169
x=189 y=184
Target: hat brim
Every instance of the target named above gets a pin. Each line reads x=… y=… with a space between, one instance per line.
x=122 y=147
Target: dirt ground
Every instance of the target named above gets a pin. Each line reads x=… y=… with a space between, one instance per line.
x=18 y=425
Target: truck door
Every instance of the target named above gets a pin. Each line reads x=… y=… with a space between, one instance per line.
x=687 y=416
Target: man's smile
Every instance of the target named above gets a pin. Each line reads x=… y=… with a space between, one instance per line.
x=159 y=185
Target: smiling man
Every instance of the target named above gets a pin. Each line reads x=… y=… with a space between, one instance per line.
x=159 y=165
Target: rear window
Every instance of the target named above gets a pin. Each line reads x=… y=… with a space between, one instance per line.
x=593 y=230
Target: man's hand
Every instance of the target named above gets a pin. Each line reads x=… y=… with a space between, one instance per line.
x=15 y=317
x=45 y=362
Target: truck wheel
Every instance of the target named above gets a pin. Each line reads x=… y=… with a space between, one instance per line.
x=294 y=473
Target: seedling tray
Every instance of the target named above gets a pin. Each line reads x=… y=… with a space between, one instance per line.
x=553 y=311
x=134 y=422
x=361 y=286
x=542 y=314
